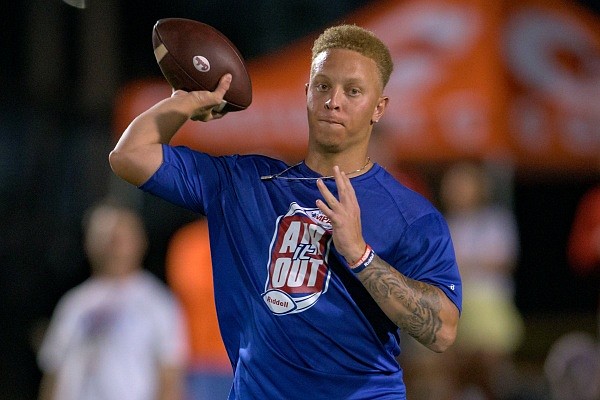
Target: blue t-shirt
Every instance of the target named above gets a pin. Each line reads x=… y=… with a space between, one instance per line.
x=293 y=318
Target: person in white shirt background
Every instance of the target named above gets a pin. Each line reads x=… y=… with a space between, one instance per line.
x=121 y=333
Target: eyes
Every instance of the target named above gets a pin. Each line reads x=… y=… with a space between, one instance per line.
x=352 y=91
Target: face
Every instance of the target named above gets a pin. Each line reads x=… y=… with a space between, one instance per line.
x=344 y=98
x=462 y=189
x=115 y=242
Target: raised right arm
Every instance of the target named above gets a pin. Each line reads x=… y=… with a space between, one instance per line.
x=138 y=153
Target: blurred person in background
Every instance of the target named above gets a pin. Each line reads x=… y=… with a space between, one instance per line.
x=572 y=367
x=486 y=241
x=583 y=248
x=120 y=334
x=189 y=274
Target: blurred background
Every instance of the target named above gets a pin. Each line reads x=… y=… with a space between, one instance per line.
x=513 y=85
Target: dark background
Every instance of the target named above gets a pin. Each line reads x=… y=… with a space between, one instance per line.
x=59 y=71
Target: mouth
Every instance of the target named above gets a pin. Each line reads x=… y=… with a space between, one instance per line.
x=331 y=121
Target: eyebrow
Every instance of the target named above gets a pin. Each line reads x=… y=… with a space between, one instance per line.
x=351 y=80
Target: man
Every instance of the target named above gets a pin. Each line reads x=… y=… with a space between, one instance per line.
x=120 y=334
x=318 y=264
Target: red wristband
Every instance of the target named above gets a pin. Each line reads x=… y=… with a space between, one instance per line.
x=364 y=261
x=362 y=258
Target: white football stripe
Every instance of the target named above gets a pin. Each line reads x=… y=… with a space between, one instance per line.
x=160 y=52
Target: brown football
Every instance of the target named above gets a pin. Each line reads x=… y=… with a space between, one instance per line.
x=194 y=56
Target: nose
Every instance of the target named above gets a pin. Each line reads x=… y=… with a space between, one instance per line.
x=332 y=103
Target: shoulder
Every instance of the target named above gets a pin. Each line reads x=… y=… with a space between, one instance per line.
x=151 y=285
x=179 y=151
x=154 y=294
x=247 y=162
x=84 y=289
x=77 y=299
x=387 y=193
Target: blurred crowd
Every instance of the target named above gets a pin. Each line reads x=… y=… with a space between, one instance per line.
x=485 y=362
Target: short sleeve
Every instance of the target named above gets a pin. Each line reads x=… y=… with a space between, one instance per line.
x=427 y=255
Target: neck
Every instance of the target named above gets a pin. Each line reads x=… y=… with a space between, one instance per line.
x=351 y=166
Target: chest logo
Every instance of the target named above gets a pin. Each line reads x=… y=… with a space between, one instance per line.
x=297 y=274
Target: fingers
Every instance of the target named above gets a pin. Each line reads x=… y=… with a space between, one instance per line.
x=344 y=214
x=327 y=195
x=176 y=93
x=321 y=205
x=223 y=86
x=344 y=188
x=224 y=83
x=211 y=105
x=207 y=116
x=341 y=181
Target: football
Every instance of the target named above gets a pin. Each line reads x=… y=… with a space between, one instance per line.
x=194 y=56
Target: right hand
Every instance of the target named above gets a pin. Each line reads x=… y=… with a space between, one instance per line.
x=209 y=104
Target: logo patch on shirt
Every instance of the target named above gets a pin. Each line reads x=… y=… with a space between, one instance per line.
x=297 y=274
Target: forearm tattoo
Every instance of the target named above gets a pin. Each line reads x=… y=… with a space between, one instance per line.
x=412 y=305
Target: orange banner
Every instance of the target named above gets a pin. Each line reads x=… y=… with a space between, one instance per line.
x=518 y=80
x=551 y=52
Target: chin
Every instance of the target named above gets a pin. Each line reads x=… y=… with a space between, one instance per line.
x=328 y=147
x=327 y=140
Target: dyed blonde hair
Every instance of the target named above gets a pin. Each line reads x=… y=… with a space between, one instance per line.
x=355 y=38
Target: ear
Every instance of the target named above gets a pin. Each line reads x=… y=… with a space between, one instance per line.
x=379 y=109
x=306 y=88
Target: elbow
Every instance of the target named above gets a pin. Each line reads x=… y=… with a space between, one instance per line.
x=121 y=165
x=115 y=160
x=134 y=166
x=446 y=335
x=444 y=339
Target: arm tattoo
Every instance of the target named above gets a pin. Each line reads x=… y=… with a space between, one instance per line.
x=412 y=305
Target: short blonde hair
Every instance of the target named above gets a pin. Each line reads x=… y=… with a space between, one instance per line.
x=355 y=38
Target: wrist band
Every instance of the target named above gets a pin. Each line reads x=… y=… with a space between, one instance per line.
x=364 y=261
x=362 y=258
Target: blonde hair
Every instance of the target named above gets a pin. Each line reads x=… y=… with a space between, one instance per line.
x=355 y=38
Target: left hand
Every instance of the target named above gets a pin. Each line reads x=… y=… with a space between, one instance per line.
x=344 y=215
